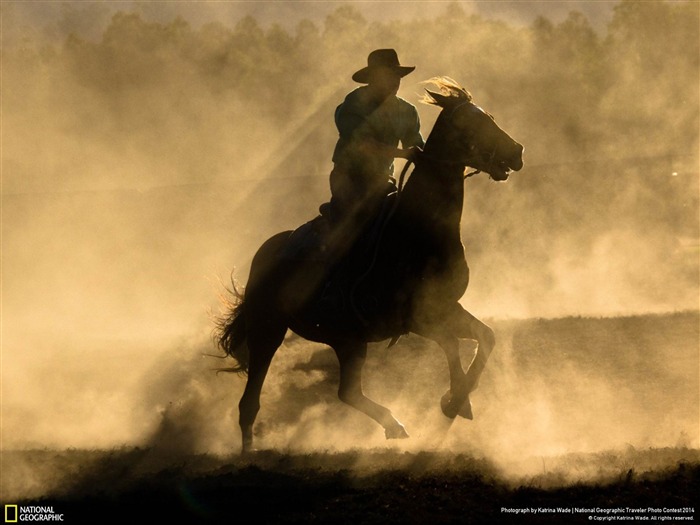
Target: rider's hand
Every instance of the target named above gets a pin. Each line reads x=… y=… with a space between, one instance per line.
x=411 y=153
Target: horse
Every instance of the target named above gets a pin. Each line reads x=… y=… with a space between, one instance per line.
x=413 y=283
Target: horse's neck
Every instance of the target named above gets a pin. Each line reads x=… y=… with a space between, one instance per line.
x=434 y=194
x=438 y=145
x=435 y=190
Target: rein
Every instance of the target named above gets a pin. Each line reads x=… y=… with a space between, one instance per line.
x=403 y=175
x=436 y=161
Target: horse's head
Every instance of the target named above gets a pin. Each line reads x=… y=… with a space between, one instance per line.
x=470 y=135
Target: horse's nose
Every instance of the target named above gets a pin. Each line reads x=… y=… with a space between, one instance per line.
x=517 y=161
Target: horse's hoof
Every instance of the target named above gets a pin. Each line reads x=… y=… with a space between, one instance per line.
x=451 y=410
x=466 y=410
x=397 y=432
x=447 y=408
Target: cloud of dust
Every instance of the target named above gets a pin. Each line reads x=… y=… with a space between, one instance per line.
x=145 y=160
x=554 y=390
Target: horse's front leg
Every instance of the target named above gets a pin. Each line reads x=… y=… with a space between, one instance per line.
x=469 y=327
x=463 y=325
x=456 y=400
x=352 y=358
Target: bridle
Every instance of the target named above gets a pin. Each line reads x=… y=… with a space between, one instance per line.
x=488 y=159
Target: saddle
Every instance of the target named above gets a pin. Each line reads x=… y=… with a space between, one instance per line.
x=322 y=238
x=309 y=241
x=345 y=260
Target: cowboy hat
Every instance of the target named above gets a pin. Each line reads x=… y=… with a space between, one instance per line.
x=378 y=59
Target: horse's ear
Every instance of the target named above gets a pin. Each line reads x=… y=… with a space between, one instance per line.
x=440 y=99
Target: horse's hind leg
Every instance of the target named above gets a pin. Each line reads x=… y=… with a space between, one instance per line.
x=352 y=358
x=263 y=342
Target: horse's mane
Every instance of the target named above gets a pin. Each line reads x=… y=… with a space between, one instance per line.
x=449 y=93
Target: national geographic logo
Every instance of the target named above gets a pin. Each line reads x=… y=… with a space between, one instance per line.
x=17 y=514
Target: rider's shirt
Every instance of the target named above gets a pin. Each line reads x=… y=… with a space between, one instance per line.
x=362 y=121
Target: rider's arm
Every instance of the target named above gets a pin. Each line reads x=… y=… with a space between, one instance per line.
x=412 y=138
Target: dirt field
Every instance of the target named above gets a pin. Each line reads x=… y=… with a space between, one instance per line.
x=355 y=487
x=576 y=419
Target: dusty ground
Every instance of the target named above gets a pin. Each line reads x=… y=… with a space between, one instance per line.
x=135 y=486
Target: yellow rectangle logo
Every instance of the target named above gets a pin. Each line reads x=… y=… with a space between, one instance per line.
x=10 y=513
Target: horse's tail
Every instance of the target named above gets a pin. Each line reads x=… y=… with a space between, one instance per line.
x=231 y=331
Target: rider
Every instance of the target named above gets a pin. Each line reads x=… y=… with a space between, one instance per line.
x=371 y=122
